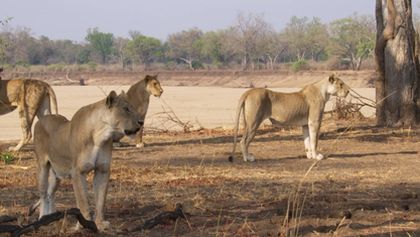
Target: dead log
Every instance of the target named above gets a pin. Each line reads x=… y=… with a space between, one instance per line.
x=16 y=230
x=161 y=219
x=4 y=219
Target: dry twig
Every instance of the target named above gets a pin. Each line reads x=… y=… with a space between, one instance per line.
x=16 y=230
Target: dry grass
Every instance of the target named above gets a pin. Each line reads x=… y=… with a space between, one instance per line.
x=371 y=173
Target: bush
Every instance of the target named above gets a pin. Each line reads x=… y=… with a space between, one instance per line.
x=7 y=157
x=300 y=65
x=197 y=65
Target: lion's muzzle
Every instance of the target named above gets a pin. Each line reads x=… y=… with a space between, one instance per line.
x=129 y=132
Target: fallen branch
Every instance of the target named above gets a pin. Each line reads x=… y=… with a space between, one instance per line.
x=16 y=230
x=4 y=219
x=168 y=114
x=161 y=219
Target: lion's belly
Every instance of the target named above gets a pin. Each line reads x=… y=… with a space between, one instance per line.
x=294 y=121
x=291 y=116
x=62 y=166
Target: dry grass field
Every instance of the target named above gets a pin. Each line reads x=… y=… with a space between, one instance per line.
x=369 y=185
x=371 y=177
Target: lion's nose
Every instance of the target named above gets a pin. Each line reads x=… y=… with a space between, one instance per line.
x=140 y=122
x=161 y=91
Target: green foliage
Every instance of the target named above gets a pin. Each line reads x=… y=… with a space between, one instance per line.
x=83 y=56
x=100 y=42
x=144 y=49
x=300 y=65
x=186 y=44
x=196 y=65
x=353 y=38
x=7 y=157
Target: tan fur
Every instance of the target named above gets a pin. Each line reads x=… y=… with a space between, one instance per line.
x=75 y=148
x=303 y=108
x=30 y=97
x=138 y=95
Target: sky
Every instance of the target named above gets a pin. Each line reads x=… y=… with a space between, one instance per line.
x=70 y=19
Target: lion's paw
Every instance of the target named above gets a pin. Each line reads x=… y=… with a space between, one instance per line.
x=250 y=158
x=140 y=145
x=103 y=225
x=319 y=156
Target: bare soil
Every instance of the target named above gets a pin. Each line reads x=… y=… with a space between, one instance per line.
x=368 y=186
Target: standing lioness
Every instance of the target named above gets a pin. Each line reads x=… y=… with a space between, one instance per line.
x=30 y=97
x=303 y=108
x=138 y=95
x=75 y=148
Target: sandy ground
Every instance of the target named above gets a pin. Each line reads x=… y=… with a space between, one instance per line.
x=209 y=107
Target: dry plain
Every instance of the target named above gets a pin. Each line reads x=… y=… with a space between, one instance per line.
x=369 y=185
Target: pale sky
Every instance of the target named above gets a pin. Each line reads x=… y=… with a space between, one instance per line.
x=70 y=19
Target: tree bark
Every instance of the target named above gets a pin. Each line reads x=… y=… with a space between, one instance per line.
x=397 y=92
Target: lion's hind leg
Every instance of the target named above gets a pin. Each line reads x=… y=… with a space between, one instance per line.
x=251 y=126
x=27 y=115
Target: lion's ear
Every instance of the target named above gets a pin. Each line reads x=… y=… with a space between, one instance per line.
x=123 y=94
x=111 y=99
x=331 y=79
x=147 y=78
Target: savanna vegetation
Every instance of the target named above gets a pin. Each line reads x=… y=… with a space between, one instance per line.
x=250 y=43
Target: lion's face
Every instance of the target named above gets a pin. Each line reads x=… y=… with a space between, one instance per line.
x=153 y=86
x=123 y=118
x=337 y=87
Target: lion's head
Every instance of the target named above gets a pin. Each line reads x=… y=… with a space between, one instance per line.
x=123 y=118
x=153 y=85
x=337 y=87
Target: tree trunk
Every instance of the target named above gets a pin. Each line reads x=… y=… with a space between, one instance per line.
x=397 y=92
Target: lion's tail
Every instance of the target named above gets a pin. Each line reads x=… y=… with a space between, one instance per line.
x=53 y=98
x=239 y=109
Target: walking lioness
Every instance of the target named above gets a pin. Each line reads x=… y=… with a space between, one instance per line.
x=303 y=108
x=75 y=148
x=138 y=95
x=30 y=97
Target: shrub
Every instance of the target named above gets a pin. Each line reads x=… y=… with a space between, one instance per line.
x=7 y=157
x=300 y=65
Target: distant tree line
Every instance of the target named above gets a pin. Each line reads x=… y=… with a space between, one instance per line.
x=249 y=44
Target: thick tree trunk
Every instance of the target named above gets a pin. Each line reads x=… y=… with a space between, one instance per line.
x=398 y=67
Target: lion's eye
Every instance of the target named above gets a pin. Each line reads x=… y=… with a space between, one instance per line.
x=126 y=109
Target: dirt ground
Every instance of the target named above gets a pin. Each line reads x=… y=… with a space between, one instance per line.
x=368 y=186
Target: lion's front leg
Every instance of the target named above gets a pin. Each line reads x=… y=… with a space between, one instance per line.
x=313 y=136
x=80 y=190
x=100 y=188
x=307 y=141
x=139 y=138
x=100 y=184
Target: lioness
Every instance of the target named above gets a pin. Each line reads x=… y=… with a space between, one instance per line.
x=31 y=97
x=304 y=108
x=74 y=148
x=138 y=95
